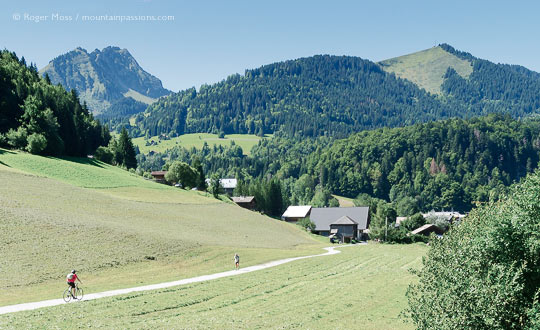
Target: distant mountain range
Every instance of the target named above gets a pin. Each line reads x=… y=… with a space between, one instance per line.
x=313 y=96
x=340 y=95
x=105 y=79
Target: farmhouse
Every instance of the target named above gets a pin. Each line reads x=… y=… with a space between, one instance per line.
x=345 y=223
x=159 y=176
x=228 y=185
x=294 y=214
x=247 y=202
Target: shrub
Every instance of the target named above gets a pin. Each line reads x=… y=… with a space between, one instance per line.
x=485 y=272
x=104 y=154
x=306 y=223
x=36 y=143
x=17 y=138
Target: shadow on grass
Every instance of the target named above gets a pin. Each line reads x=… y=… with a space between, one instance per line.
x=5 y=151
x=80 y=160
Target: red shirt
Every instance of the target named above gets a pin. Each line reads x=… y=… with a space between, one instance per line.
x=72 y=279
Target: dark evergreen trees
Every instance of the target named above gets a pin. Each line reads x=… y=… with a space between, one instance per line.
x=42 y=118
x=126 y=151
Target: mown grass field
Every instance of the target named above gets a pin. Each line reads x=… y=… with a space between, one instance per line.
x=427 y=68
x=59 y=214
x=361 y=288
x=344 y=201
x=197 y=140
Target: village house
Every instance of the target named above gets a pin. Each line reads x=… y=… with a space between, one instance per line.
x=228 y=185
x=294 y=214
x=343 y=223
x=159 y=176
x=247 y=202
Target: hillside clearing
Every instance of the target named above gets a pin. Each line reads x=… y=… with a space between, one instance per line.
x=362 y=287
x=197 y=140
x=427 y=68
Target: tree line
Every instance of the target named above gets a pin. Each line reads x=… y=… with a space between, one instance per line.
x=43 y=118
x=447 y=164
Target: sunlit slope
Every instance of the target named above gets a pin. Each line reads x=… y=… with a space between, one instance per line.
x=427 y=68
x=361 y=288
x=48 y=226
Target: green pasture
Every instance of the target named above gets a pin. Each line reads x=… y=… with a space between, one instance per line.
x=427 y=68
x=197 y=140
x=361 y=288
x=149 y=233
x=344 y=201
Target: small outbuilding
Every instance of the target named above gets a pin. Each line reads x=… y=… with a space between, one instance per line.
x=344 y=229
x=294 y=214
x=159 y=176
x=228 y=185
x=247 y=202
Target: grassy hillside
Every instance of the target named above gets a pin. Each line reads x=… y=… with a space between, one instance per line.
x=363 y=287
x=59 y=214
x=427 y=68
x=197 y=140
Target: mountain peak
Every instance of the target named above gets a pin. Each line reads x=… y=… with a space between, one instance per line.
x=104 y=77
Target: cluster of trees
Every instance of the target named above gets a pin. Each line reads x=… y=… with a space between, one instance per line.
x=446 y=164
x=42 y=118
x=485 y=273
x=186 y=175
x=119 y=152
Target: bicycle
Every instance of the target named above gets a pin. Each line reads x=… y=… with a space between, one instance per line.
x=79 y=293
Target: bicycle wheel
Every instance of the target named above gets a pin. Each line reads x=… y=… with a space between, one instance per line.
x=80 y=293
x=67 y=295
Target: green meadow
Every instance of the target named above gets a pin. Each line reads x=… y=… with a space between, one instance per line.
x=361 y=288
x=427 y=68
x=197 y=140
x=58 y=214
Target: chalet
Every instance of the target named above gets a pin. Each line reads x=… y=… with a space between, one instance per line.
x=247 y=202
x=345 y=223
x=228 y=185
x=294 y=214
x=159 y=176
x=427 y=229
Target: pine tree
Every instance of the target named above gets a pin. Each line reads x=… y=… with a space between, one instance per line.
x=126 y=150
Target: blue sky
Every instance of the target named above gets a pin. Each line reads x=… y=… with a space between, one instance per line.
x=208 y=40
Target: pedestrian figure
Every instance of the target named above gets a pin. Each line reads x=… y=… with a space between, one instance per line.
x=237 y=261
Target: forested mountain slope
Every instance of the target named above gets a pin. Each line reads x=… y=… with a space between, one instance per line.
x=339 y=95
x=442 y=164
x=314 y=96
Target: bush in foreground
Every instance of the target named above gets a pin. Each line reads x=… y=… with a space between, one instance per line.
x=484 y=273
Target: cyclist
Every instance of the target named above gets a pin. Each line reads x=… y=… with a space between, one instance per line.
x=71 y=277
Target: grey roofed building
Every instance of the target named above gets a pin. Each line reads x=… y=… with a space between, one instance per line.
x=324 y=217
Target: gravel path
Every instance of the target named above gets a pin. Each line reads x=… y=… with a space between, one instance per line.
x=92 y=296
